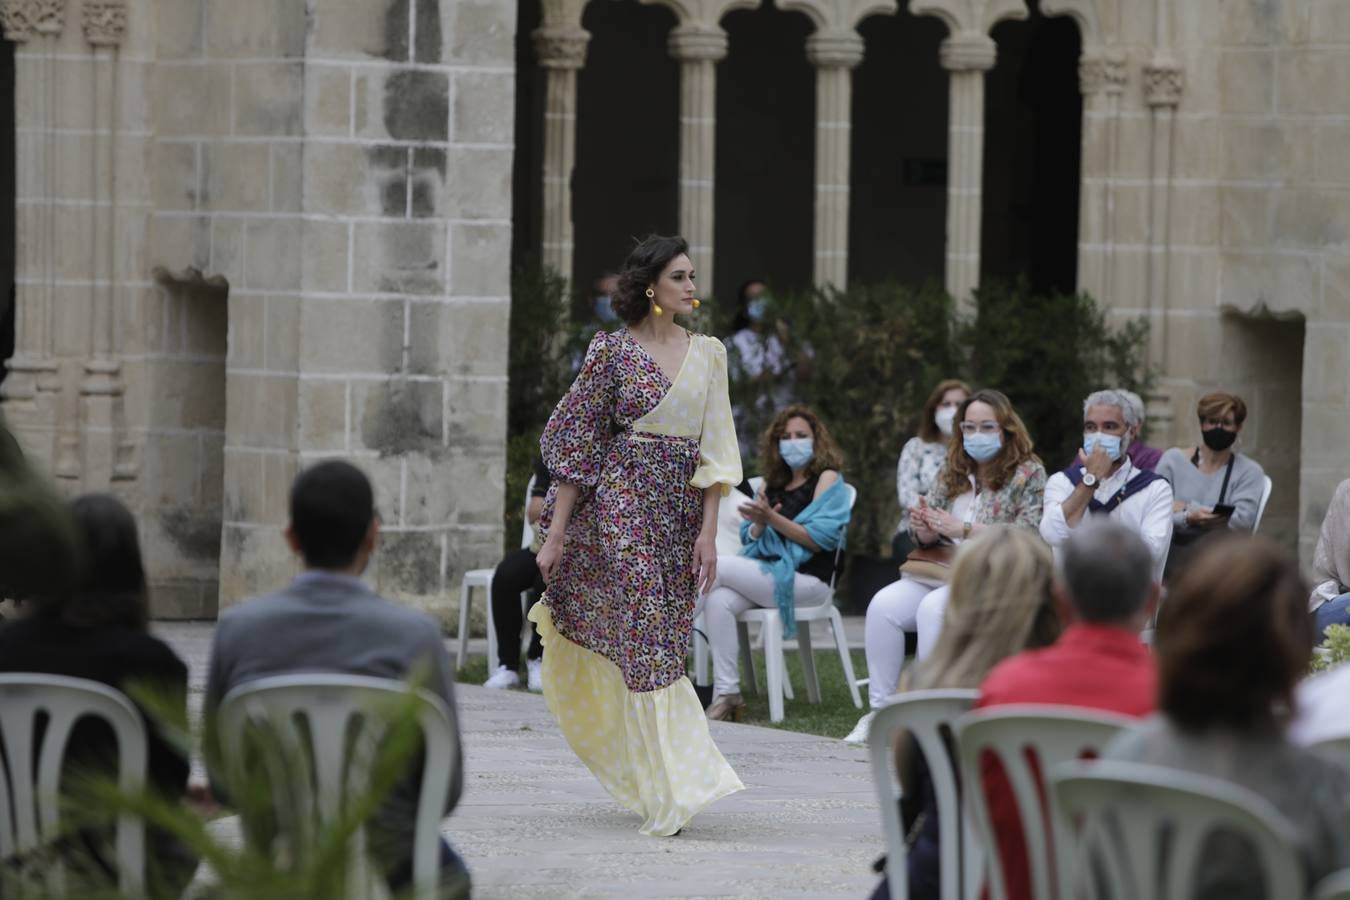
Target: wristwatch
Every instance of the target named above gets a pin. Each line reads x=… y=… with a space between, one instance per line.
x=965 y=531
x=1089 y=479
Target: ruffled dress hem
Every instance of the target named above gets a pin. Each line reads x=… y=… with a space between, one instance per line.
x=652 y=750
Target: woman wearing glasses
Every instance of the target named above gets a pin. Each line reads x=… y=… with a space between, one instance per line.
x=990 y=477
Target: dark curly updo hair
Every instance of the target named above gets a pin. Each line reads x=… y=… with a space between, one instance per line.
x=640 y=271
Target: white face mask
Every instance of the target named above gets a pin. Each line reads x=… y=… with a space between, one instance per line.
x=944 y=418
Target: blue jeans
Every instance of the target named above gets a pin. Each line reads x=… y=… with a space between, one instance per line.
x=1334 y=612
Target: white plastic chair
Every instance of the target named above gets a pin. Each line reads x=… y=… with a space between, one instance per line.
x=1050 y=735
x=482 y=578
x=1128 y=810
x=1335 y=886
x=926 y=715
x=30 y=807
x=332 y=763
x=1266 y=488
x=1336 y=746
x=778 y=684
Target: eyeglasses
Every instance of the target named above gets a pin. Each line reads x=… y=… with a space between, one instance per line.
x=981 y=427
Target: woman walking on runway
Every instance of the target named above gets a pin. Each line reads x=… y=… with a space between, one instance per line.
x=641 y=450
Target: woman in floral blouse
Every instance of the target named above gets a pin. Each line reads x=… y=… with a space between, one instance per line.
x=641 y=449
x=990 y=477
x=923 y=454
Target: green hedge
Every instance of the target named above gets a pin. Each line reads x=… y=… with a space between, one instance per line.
x=877 y=352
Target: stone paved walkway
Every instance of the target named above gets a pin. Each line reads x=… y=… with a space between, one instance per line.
x=534 y=823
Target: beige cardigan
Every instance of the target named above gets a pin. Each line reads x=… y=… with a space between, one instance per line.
x=1331 y=562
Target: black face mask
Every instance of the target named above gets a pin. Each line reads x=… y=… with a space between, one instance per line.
x=1219 y=438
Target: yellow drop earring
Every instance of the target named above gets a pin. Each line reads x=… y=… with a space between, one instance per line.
x=656 y=307
x=696 y=303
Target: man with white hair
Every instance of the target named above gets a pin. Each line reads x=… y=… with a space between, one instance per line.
x=1108 y=483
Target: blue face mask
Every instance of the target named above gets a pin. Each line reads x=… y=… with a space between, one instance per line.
x=982 y=447
x=1109 y=442
x=796 y=452
x=756 y=308
x=604 y=309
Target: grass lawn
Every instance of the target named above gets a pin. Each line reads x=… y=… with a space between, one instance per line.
x=834 y=716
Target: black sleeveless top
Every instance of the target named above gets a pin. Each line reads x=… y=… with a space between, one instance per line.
x=821 y=565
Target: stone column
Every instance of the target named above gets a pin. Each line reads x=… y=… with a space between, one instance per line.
x=1163 y=85
x=105 y=23
x=698 y=50
x=562 y=52
x=834 y=54
x=967 y=56
x=35 y=26
x=1102 y=77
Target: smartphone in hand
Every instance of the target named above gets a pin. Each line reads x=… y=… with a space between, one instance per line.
x=1224 y=510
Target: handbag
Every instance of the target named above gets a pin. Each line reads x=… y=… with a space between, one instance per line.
x=930 y=563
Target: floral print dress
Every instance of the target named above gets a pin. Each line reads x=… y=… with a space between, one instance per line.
x=617 y=615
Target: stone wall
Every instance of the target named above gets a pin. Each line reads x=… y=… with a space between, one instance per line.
x=310 y=258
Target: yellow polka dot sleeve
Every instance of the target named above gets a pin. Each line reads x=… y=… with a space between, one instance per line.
x=719 y=454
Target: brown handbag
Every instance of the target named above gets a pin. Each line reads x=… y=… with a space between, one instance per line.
x=930 y=563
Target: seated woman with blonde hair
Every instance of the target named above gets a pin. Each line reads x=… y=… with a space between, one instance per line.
x=790 y=533
x=1001 y=603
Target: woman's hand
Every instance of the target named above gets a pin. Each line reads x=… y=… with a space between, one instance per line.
x=705 y=561
x=548 y=557
x=1202 y=517
x=921 y=522
x=757 y=511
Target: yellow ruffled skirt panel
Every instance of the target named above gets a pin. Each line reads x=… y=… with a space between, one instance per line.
x=651 y=751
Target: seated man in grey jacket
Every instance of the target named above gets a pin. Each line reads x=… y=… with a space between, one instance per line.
x=328 y=620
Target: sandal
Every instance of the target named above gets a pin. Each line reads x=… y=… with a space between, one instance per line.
x=726 y=708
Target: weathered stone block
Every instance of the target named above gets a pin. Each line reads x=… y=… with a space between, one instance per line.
x=243 y=485
x=1335 y=289
x=1247 y=215
x=476 y=483
x=324 y=264
x=274 y=247
x=246 y=330
x=183 y=599
x=1330 y=21
x=483 y=101
x=480 y=31
x=269 y=99
x=1326 y=364
x=171 y=470
x=338 y=180
x=253 y=561
x=458 y=338
x=398 y=417
x=1333 y=153
x=480 y=260
x=410 y=564
x=323 y=415
x=1278 y=283
x=1304 y=78
x=262 y=410
x=479 y=184
x=253 y=29
x=427 y=182
x=400 y=258
x=212 y=472
x=236 y=177
x=287 y=177
x=403 y=104
x=340 y=29
x=1308 y=218
x=227 y=250
x=179 y=29
x=434 y=489
x=1196 y=340
x=357 y=336
x=176 y=178
x=328 y=100
x=176 y=243
x=283 y=333
x=187 y=394
x=476 y=415
x=279 y=471
x=1193 y=279
x=1248 y=79
x=192 y=99
x=386 y=480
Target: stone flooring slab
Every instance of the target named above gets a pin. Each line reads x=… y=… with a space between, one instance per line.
x=534 y=823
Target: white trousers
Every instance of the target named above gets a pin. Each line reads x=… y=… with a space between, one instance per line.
x=904 y=605
x=741 y=585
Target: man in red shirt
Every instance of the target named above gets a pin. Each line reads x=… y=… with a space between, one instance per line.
x=1105 y=590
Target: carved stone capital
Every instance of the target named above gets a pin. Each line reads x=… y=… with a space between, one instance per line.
x=1164 y=83
x=968 y=51
x=561 y=48
x=22 y=20
x=692 y=42
x=1103 y=73
x=105 y=22
x=834 y=49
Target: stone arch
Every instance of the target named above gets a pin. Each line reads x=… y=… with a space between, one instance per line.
x=970 y=16
x=1095 y=18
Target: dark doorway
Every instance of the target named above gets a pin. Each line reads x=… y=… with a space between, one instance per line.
x=628 y=135
x=898 y=182
x=1032 y=157
x=7 y=209
x=528 y=164
x=766 y=121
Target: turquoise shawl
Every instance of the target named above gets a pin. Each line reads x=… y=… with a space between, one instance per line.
x=826 y=520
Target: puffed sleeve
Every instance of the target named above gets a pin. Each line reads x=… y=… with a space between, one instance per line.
x=577 y=435
x=719 y=456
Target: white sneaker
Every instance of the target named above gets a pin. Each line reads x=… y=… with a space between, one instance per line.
x=535 y=673
x=860 y=731
x=502 y=679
